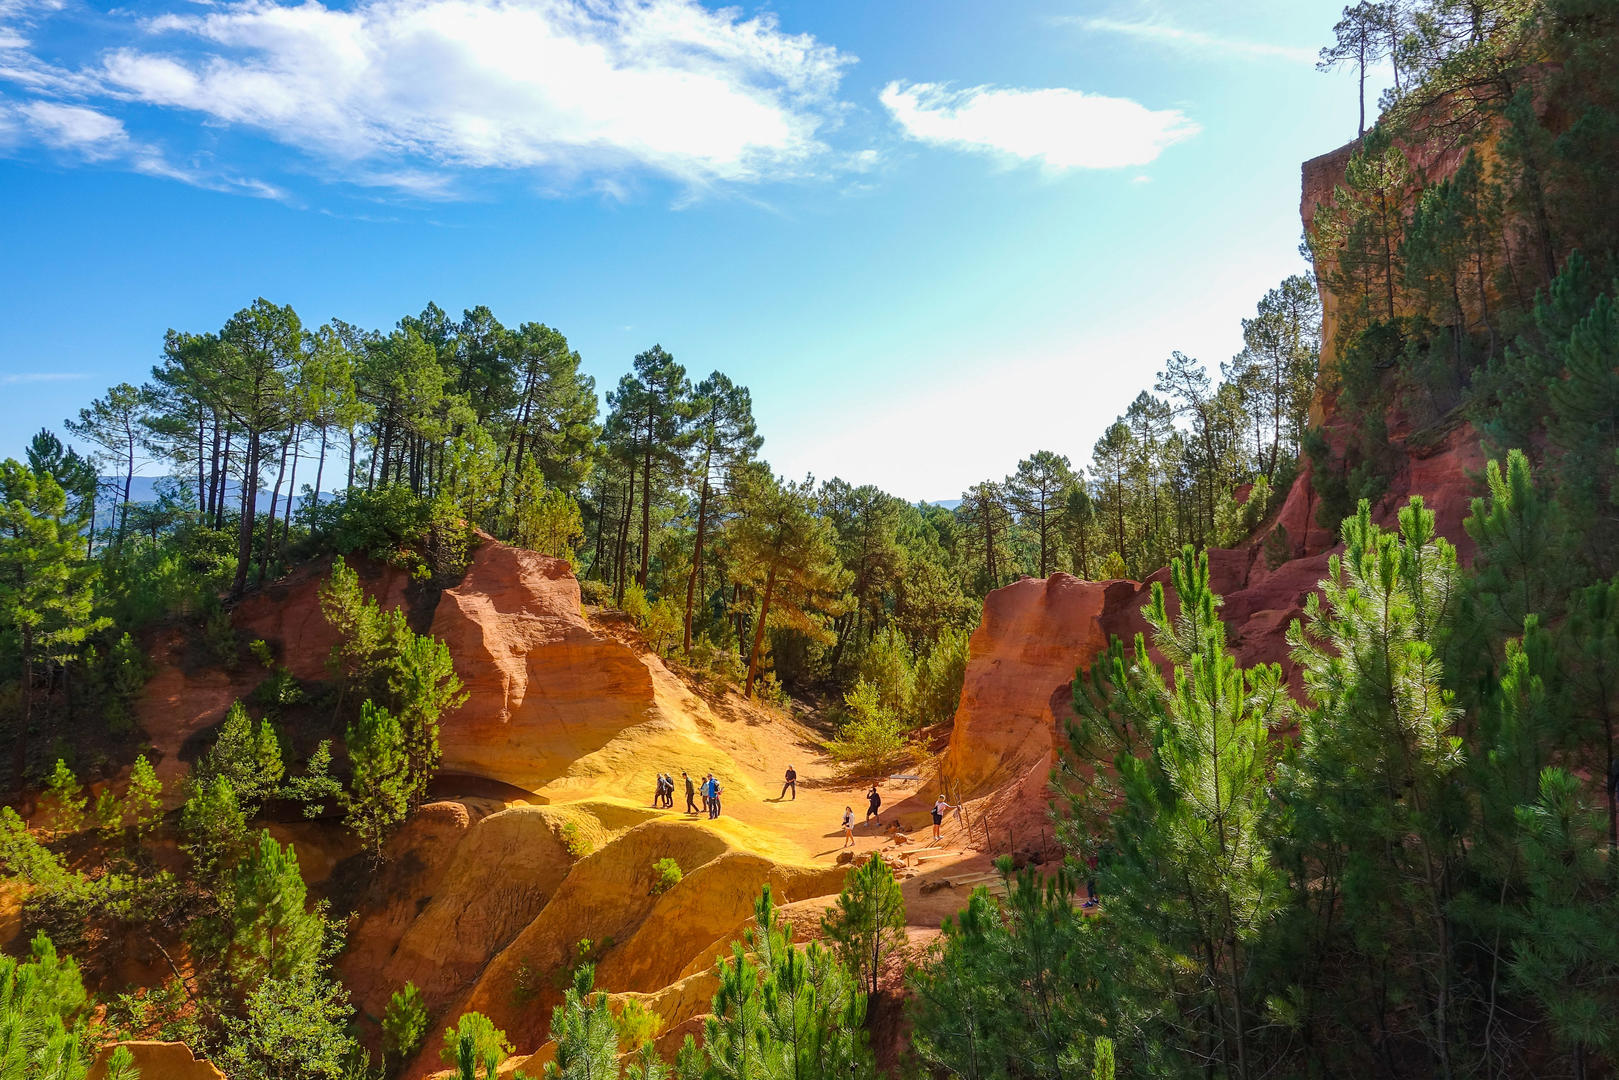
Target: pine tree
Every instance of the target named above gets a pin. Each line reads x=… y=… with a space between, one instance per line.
x=65 y=801
x=1373 y=782
x=213 y=828
x=379 y=795
x=274 y=934
x=46 y=588
x=1193 y=814
x=247 y=754
x=1037 y=490
x=585 y=1033
x=1567 y=954
x=144 y=798
x=868 y=922
x=786 y=556
x=405 y=1023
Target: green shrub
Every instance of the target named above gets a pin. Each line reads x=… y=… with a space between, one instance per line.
x=666 y=874
x=404 y=1025
x=871 y=739
x=595 y=593
x=637 y=1025
x=574 y=841
x=635 y=604
x=393 y=524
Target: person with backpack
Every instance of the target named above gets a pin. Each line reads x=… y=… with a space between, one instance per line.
x=848 y=826
x=874 y=802
x=714 y=796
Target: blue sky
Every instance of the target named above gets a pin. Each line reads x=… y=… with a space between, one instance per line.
x=932 y=237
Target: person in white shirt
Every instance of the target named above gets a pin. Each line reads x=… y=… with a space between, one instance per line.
x=848 y=826
x=939 y=809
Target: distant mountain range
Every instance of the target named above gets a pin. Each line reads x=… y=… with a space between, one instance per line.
x=143 y=489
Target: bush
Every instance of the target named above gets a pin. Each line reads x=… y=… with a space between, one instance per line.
x=575 y=842
x=666 y=874
x=595 y=593
x=635 y=604
x=426 y=536
x=871 y=739
x=404 y=1025
x=664 y=627
x=637 y=1025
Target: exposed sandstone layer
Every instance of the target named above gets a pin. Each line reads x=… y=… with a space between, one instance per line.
x=159 y=1061
x=543 y=688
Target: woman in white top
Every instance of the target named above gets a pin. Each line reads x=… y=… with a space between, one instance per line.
x=848 y=826
x=938 y=815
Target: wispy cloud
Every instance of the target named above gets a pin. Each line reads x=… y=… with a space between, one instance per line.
x=1059 y=129
x=84 y=134
x=40 y=376
x=403 y=92
x=1187 y=39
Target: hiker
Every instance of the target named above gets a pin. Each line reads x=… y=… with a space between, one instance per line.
x=691 y=792
x=714 y=796
x=791 y=782
x=938 y=816
x=708 y=794
x=874 y=801
x=848 y=826
x=1090 y=880
x=666 y=791
x=657 y=792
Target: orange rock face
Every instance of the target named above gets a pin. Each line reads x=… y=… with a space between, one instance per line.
x=159 y=1061
x=543 y=688
x=1032 y=637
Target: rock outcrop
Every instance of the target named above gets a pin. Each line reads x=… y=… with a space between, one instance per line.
x=158 y=1061
x=543 y=689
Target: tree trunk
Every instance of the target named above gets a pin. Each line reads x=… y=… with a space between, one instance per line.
x=697 y=553
x=646 y=506
x=129 y=481
x=19 y=752
x=320 y=466
x=275 y=493
x=244 y=531
x=292 y=488
x=759 y=632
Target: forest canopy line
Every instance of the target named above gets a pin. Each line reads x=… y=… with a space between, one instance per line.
x=662 y=501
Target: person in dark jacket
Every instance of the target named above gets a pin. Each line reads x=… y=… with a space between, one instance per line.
x=691 y=792
x=874 y=803
x=791 y=782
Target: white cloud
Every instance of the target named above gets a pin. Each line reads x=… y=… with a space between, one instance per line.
x=396 y=92
x=89 y=135
x=1186 y=39
x=1059 y=128
x=93 y=135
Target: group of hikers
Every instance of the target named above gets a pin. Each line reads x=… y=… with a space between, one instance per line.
x=664 y=796
x=710 y=789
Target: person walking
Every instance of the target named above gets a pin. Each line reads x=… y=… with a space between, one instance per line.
x=939 y=809
x=691 y=792
x=790 y=781
x=1090 y=880
x=874 y=803
x=657 y=792
x=714 y=802
x=848 y=826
